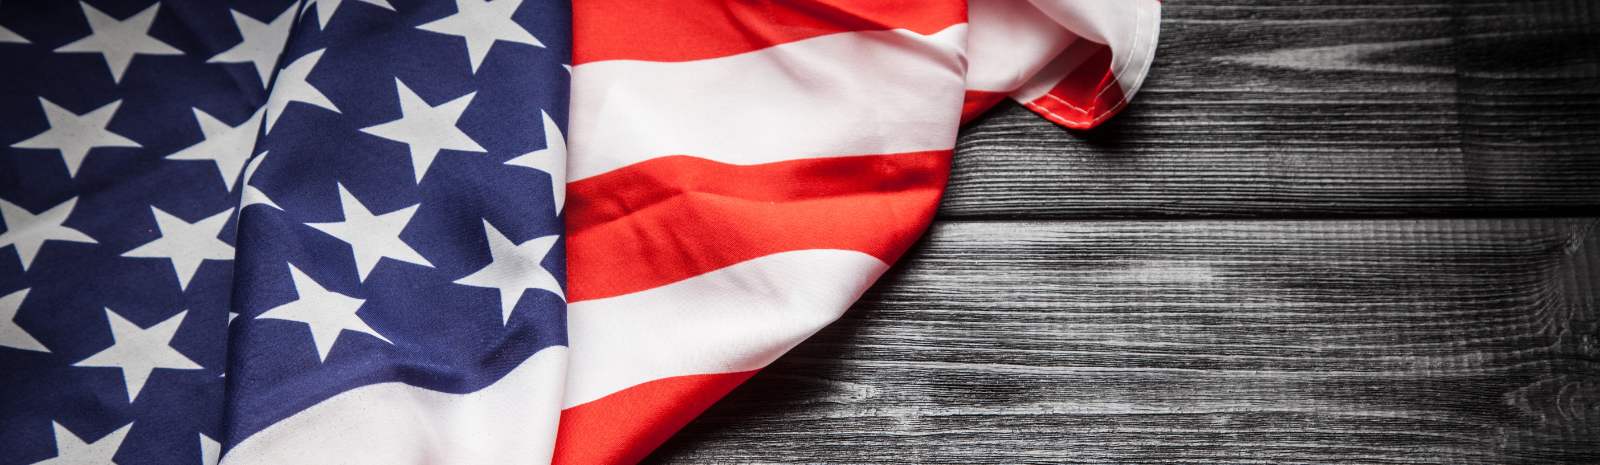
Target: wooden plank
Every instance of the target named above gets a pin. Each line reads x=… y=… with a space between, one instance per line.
x=1318 y=109
x=1393 y=341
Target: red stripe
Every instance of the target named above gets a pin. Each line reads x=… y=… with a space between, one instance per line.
x=1085 y=97
x=683 y=30
x=671 y=218
x=624 y=427
x=977 y=102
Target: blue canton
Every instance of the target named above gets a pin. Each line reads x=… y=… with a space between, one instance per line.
x=218 y=214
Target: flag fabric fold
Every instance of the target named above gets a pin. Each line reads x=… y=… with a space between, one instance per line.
x=470 y=231
x=740 y=172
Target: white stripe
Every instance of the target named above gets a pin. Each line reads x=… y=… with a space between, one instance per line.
x=511 y=421
x=1010 y=42
x=1141 y=53
x=1048 y=78
x=851 y=93
x=738 y=318
x=1129 y=27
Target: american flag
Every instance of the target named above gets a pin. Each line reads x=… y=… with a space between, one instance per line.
x=348 y=231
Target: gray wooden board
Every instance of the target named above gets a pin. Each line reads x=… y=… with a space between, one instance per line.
x=1312 y=109
x=1340 y=231
x=1392 y=341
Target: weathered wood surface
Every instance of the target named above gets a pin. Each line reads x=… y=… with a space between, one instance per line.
x=1348 y=232
x=1435 y=341
x=1306 y=109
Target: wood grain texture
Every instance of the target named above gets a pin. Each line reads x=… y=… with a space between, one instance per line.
x=1317 y=109
x=1328 y=231
x=1436 y=341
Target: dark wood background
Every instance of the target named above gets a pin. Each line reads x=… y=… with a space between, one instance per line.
x=1327 y=231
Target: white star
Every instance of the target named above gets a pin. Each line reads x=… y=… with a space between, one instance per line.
x=552 y=160
x=426 y=129
x=481 y=23
x=28 y=232
x=74 y=135
x=227 y=146
x=10 y=37
x=119 y=41
x=327 y=313
x=137 y=351
x=372 y=237
x=185 y=243
x=326 y=9
x=12 y=335
x=513 y=268
x=291 y=86
x=253 y=195
x=262 y=43
x=210 y=450
x=71 y=450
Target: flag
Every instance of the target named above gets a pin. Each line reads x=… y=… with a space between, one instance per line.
x=740 y=172
x=348 y=231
